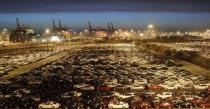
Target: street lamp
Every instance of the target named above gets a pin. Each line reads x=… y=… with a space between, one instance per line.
x=47 y=31
x=141 y=34
x=150 y=26
x=132 y=30
x=4 y=29
x=86 y=30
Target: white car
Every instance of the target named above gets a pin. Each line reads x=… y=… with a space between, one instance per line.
x=1 y=95
x=171 y=87
x=184 y=86
x=185 y=81
x=124 y=96
x=164 y=95
x=137 y=87
x=168 y=86
x=112 y=84
x=140 y=81
x=14 y=95
x=171 y=81
x=191 y=97
x=78 y=86
x=89 y=87
x=70 y=94
x=122 y=87
x=201 y=86
x=119 y=105
x=111 y=81
x=49 y=105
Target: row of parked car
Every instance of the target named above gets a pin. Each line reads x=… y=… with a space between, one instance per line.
x=9 y=62
x=99 y=77
x=201 y=47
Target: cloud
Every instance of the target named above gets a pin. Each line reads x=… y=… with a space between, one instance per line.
x=18 y=6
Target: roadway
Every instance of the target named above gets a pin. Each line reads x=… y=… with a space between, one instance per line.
x=28 y=67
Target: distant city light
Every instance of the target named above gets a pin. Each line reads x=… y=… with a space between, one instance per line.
x=47 y=31
x=132 y=30
x=55 y=39
x=86 y=30
x=178 y=32
x=150 y=26
x=141 y=34
x=44 y=40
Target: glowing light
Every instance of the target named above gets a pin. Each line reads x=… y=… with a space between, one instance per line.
x=43 y=40
x=47 y=31
x=150 y=26
x=141 y=34
x=55 y=39
x=132 y=31
x=86 y=30
x=178 y=33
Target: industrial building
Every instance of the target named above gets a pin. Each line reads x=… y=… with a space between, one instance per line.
x=4 y=35
x=101 y=32
x=22 y=33
x=63 y=32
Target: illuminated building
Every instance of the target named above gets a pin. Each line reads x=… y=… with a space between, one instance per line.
x=124 y=33
x=4 y=35
x=63 y=32
x=101 y=32
x=151 y=32
x=22 y=33
x=206 y=34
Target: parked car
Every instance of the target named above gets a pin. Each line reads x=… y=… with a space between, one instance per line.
x=124 y=96
x=205 y=105
x=104 y=88
x=49 y=105
x=165 y=105
x=201 y=86
x=137 y=87
x=164 y=95
x=118 y=105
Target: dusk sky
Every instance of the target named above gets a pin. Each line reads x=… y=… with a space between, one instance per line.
x=169 y=15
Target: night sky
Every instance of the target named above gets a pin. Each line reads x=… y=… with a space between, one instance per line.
x=169 y=15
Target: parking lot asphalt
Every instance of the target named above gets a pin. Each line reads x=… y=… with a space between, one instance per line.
x=105 y=76
x=195 y=69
